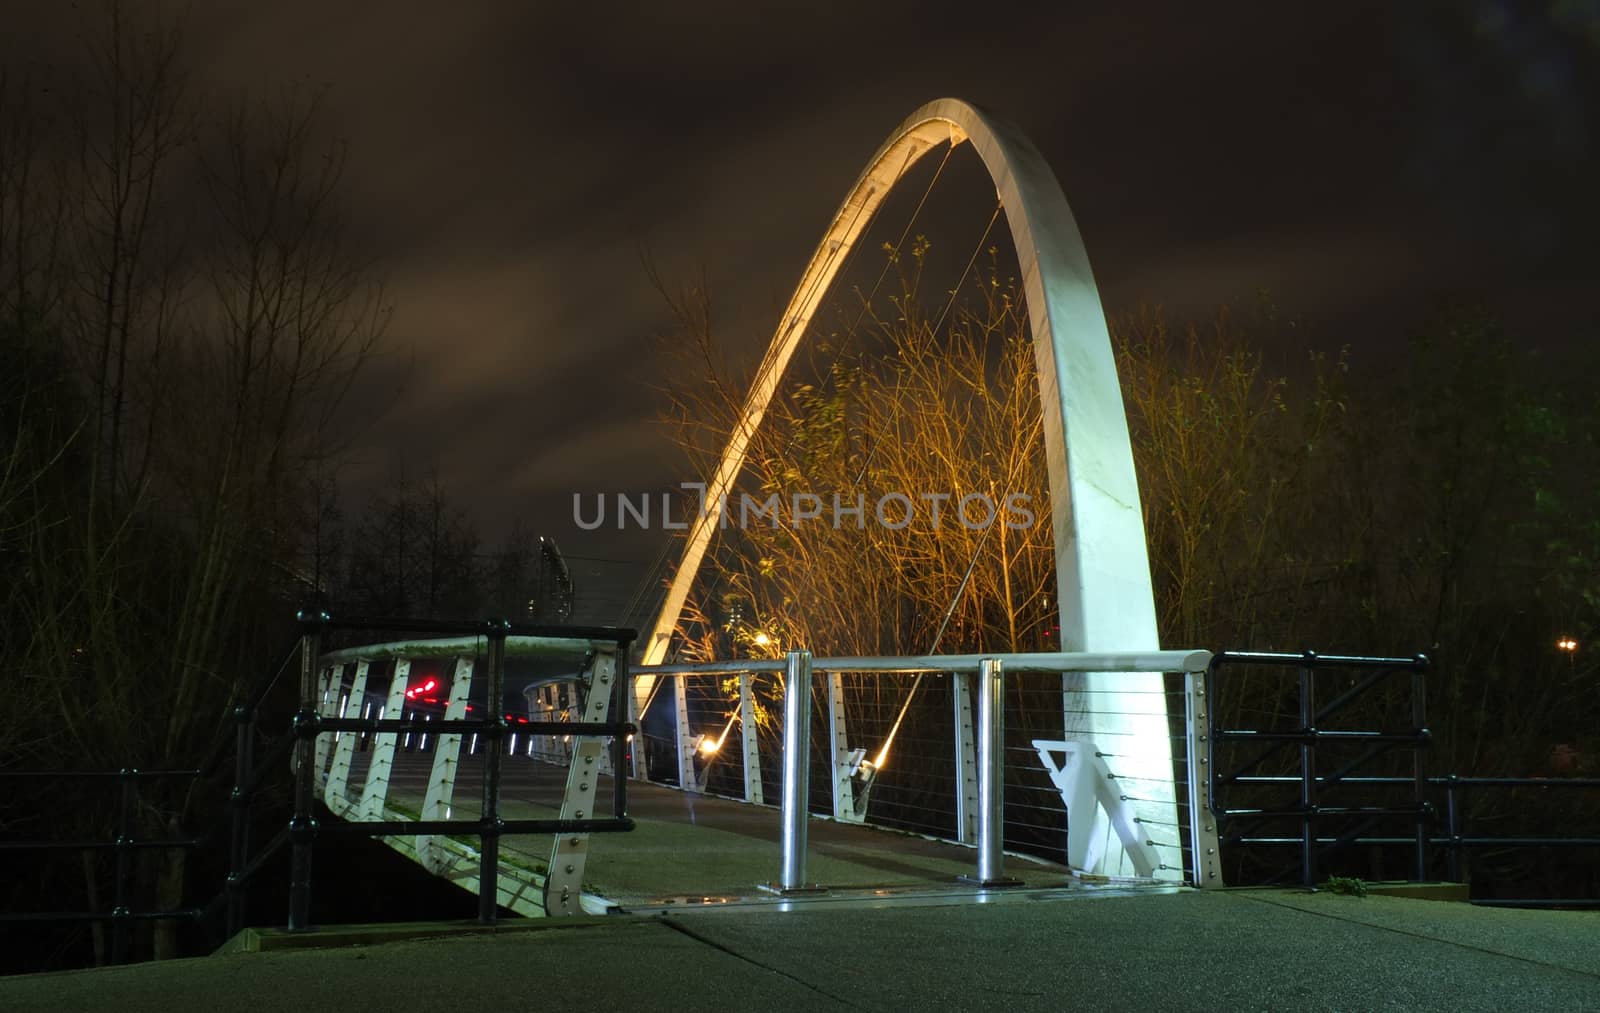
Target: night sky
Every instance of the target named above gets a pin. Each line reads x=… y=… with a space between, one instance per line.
x=508 y=162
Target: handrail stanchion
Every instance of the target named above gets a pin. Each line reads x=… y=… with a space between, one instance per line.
x=991 y=775
x=1202 y=818
x=796 y=769
x=302 y=825
x=489 y=813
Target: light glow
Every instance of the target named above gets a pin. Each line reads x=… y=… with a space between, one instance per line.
x=709 y=746
x=1567 y=644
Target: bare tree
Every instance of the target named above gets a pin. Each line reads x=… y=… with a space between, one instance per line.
x=209 y=344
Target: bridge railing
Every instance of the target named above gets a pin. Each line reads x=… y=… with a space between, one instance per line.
x=324 y=742
x=992 y=751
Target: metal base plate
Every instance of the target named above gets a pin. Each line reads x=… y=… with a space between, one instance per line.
x=990 y=884
x=799 y=891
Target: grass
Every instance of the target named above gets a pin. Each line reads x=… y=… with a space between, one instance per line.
x=1349 y=886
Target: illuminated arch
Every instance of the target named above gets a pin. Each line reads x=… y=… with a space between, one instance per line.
x=1102 y=569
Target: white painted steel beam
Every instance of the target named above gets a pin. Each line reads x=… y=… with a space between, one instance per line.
x=436 y=804
x=966 y=760
x=841 y=760
x=327 y=703
x=563 y=891
x=337 y=794
x=376 y=791
x=749 y=736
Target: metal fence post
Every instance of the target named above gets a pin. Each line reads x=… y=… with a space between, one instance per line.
x=239 y=842
x=119 y=909
x=1419 y=717
x=796 y=769
x=489 y=814
x=1455 y=828
x=303 y=825
x=1308 y=770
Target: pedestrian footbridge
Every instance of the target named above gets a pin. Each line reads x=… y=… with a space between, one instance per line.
x=755 y=781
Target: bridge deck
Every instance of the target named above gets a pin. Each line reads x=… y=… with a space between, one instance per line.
x=695 y=848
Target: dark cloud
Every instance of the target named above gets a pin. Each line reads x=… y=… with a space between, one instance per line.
x=509 y=162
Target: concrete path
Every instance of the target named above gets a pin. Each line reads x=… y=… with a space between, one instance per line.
x=1235 y=950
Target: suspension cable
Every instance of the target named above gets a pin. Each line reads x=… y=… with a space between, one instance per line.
x=873 y=450
x=767 y=362
x=905 y=708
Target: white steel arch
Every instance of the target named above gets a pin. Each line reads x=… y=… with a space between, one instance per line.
x=1102 y=569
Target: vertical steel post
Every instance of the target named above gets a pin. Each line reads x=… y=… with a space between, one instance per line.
x=796 y=768
x=239 y=839
x=840 y=788
x=119 y=909
x=1202 y=820
x=1308 y=771
x=991 y=773
x=494 y=729
x=1455 y=828
x=303 y=825
x=1419 y=719
x=966 y=764
x=687 y=779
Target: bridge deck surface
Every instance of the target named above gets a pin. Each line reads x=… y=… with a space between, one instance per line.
x=688 y=847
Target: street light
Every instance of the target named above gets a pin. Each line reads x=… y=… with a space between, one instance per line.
x=1567 y=644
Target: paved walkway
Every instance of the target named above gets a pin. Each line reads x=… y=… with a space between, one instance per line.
x=1048 y=950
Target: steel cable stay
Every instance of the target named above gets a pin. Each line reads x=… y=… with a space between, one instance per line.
x=768 y=361
x=870 y=768
x=977 y=552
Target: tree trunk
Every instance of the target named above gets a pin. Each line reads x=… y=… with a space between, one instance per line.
x=169 y=894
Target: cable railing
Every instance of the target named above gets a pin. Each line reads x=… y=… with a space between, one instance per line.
x=995 y=751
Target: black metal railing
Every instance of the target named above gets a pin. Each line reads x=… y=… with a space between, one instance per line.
x=123 y=914
x=1457 y=841
x=1310 y=810
x=303 y=829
